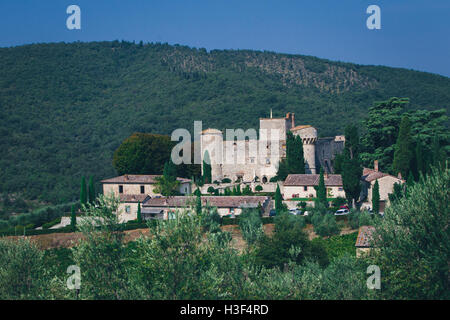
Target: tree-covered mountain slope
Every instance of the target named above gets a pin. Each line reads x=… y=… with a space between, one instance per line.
x=65 y=108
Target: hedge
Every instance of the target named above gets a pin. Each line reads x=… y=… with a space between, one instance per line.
x=235 y=221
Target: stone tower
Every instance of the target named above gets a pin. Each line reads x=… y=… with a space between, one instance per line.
x=308 y=134
x=212 y=140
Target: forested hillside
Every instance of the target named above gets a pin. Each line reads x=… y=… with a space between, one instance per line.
x=65 y=108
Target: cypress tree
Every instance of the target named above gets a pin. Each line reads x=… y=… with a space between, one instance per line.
x=322 y=190
x=351 y=179
x=403 y=148
x=206 y=168
x=376 y=197
x=295 y=161
x=139 y=215
x=436 y=152
x=419 y=160
x=73 y=217
x=170 y=171
x=91 y=190
x=409 y=183
x=83 y=193
x=278 y=200
x=198 y=205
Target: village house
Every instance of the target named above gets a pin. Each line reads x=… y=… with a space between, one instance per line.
x=161 y=208
x=363 y=245
x=133 y=189
x=386 y=185
x=304 y=186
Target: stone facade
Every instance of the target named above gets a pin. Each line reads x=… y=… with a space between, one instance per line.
x=250 y=157
x=303 y=186
x=135 y=189
x=386 y=185
x=161 y=208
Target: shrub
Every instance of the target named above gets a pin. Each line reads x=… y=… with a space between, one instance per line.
x=258 y=188
x=251 y=226
x=50 y=224
x=413 y=241
x=226 y=180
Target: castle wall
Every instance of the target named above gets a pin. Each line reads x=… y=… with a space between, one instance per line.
x=308 y=135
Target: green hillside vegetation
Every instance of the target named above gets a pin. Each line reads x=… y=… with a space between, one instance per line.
x=65 y=108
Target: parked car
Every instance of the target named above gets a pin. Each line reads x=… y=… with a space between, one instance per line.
x=341 y=212
x=344 y=207
x=272 y=213
x=295 y=212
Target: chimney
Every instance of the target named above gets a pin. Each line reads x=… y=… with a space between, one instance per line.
x=126 y=177
x=375 y=165
x=293 y=120
x=325 y=175
x=399 y=175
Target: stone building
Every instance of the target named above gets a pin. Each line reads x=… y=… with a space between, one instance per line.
x=253 y=158
x=386 y=185
x=303 y=186
x=161 y=208
x=133 y=189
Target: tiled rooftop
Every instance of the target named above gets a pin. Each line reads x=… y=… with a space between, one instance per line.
x=312 y=180
x=138 y=178
x=214 y=201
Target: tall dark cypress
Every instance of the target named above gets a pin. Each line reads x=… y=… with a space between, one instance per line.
x=322 y=190
x=91 y=190
x=278 y=200
x=207 y=168
x=73 y=217
x=403 y=148
x=376 y=197
x=83 y=192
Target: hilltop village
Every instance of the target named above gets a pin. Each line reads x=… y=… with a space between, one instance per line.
x=234 y=187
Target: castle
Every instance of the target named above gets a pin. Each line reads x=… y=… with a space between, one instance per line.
x=258 y=157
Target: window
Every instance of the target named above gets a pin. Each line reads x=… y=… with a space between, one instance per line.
x=305 y=188
x=127 y=209
x=267 y=161
x=142 y=189
x=341 y=189
x=120 y=189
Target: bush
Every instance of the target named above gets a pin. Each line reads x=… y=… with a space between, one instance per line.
x=288 y=243
x=327 y=226
x=50 y=224
x=251 y=226
x=413 y=241
x=226 y=180
x=258 y=188
x=23 y=275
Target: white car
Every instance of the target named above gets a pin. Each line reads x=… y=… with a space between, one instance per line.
x=295 y=212
x=341 y=212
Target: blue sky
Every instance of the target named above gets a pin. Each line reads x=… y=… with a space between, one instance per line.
x=414 y=34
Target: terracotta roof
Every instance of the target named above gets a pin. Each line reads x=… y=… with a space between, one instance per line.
x=133 y=197
x=214 y=201
x=364 y=236
x=312 y=180
x=370 y=175
x=300 y=127
x=138 y=178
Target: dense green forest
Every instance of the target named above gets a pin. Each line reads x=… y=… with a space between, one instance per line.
x=65 y=108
